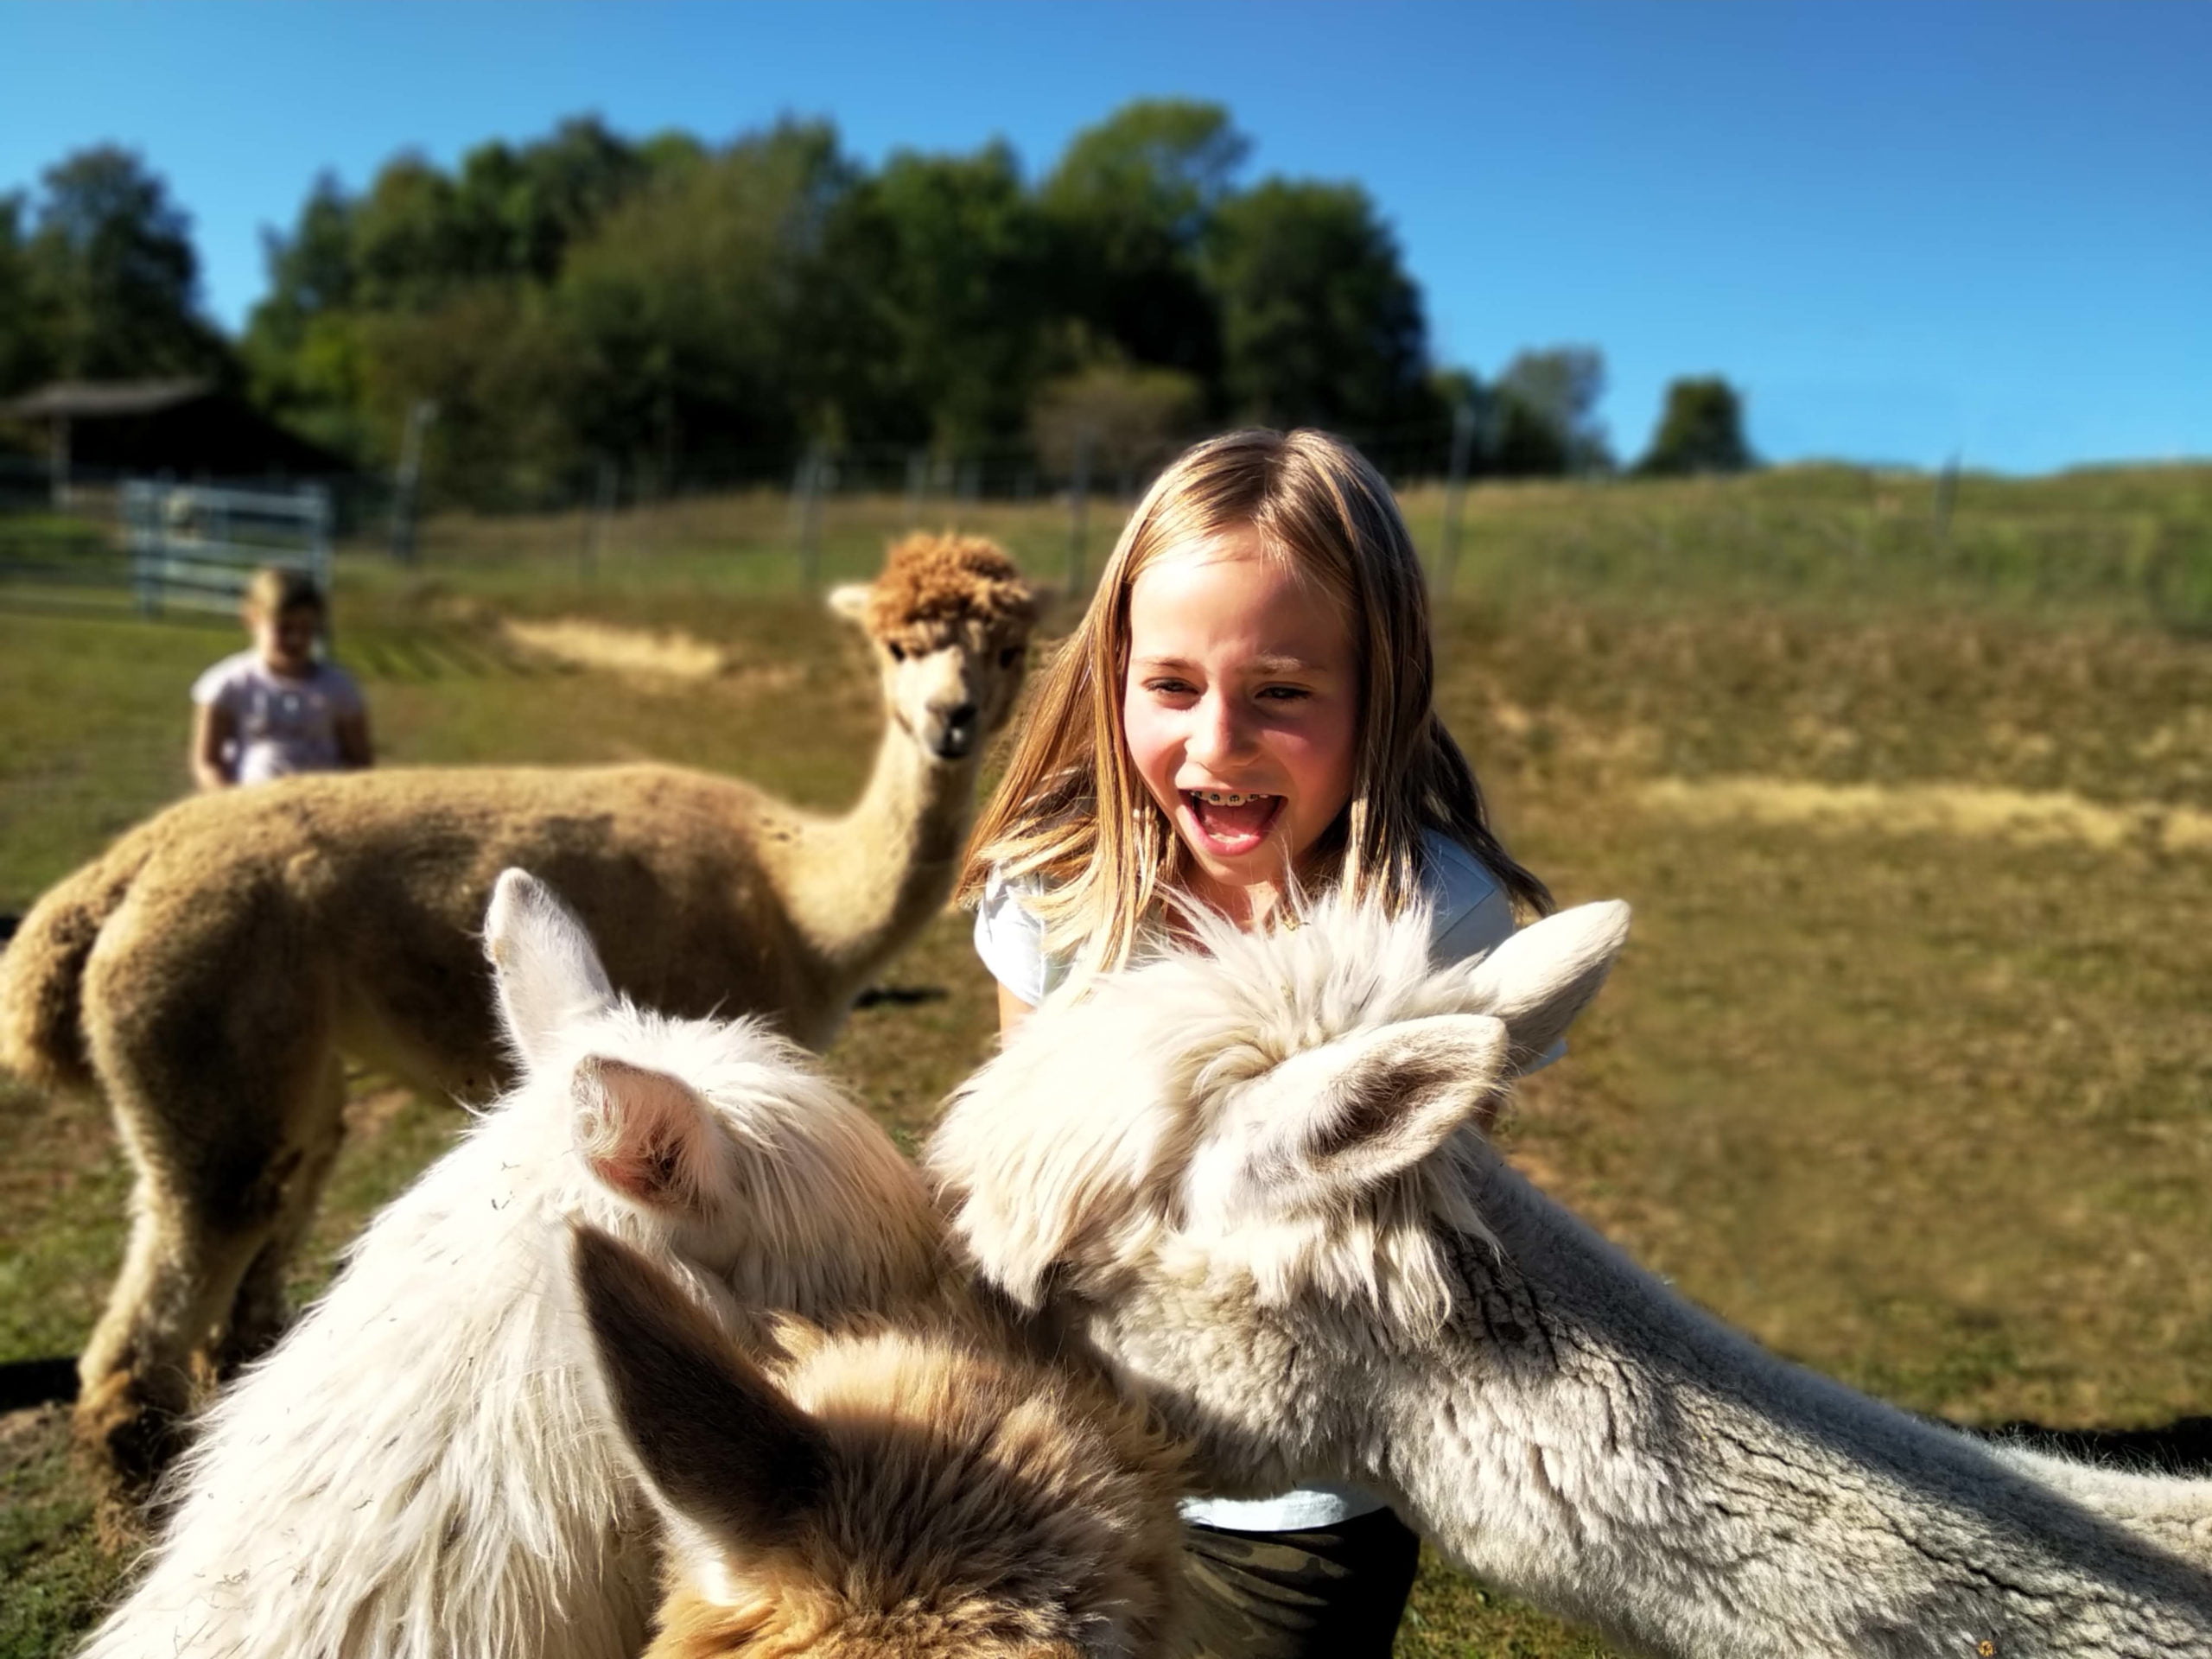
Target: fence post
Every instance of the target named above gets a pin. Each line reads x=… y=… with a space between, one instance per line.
x=1455 y=491
x=405 y=483
x=918 y=478
x=142 y=516
x=604 y=485
x=1078 y=510
x=1947 y=496
x=811 y=468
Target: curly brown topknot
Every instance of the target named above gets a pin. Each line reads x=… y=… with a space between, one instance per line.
x=930 y=584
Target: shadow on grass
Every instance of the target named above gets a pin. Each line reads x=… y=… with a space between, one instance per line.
x=26 y=1382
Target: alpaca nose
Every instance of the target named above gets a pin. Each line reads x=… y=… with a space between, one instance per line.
x=959 y=732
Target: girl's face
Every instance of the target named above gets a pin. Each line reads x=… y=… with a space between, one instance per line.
x=285 y=639
x=1240 y=710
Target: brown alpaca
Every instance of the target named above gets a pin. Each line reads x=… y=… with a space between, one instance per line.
x=206 y=973
x=908 y=1493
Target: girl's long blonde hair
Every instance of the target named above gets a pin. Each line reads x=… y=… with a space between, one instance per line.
x=1072 y=810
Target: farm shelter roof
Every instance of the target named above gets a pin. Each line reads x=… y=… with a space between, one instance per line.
x=182 y=427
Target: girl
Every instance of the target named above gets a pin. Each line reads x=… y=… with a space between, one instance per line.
x=1244 y=713
x=277 y=709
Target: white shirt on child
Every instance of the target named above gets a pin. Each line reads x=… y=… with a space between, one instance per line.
x=1471 y=913
x=284 y=725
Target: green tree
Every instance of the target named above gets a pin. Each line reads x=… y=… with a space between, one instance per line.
x=953 y=256
x=693 y=303
x=1544 y=414
x=26 y=328
x=1123 y=419
x=1701 y=431
x=504 y=374
x=112 y=273
x=1319 y=321
x=1131 y=203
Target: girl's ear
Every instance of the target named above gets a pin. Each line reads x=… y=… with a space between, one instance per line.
x=1539 y=979
x=545 y=969
x=716 y=1442
x=648 y=1136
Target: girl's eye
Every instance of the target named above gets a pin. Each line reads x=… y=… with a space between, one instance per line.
x=1170 y=687
x=1284 y=693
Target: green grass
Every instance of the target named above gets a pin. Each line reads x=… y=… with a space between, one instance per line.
x=1931 y=1111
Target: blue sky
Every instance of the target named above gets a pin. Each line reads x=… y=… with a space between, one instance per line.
x=1906 y=231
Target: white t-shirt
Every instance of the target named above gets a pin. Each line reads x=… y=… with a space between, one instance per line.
x=1471 y=913
x=284 y=725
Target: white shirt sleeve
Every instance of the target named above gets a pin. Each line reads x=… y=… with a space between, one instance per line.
x=1474 y=915
x=217 y=686
x=1011 y=942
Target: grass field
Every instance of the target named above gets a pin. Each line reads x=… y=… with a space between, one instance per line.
x=1908 y=1069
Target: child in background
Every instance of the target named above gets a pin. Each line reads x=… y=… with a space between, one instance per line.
x=1245 y=712
x=276 y=708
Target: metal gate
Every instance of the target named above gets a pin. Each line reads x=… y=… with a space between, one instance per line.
x=195 y=546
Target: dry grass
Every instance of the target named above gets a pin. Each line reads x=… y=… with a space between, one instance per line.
x=1908 y=1069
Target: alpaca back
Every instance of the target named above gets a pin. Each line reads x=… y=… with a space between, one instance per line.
x=416 y=1470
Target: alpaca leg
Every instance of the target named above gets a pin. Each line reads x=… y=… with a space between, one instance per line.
x=215 y=1157
x=136 y=1374
x=262 y=1309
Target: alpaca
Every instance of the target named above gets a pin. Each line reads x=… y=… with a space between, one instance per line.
x=1252 y=1173
x=416 y=1469
x=906 y=1492
x=206 y=973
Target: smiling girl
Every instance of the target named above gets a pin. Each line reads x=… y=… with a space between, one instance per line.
x=1244 y=714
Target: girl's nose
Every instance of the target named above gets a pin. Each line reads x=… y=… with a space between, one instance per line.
x=1219 y=732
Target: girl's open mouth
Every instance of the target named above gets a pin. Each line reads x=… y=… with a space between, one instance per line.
x=1230 y=823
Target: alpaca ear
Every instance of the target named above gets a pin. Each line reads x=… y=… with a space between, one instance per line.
x=1539 y=979
x=1386 y=1099
x=646 y=1134
x=544 y=969
x=849 y=600
x=715 y=1438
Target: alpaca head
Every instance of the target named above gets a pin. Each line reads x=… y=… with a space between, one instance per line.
x=715 y=1143
x=880 y=1495
x=949 y=617
x=1289 y=1112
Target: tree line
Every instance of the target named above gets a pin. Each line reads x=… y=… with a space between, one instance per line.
x=678 y=308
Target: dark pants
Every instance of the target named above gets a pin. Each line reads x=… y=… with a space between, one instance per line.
x=1332 y=1592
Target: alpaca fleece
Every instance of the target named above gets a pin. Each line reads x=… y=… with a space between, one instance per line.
x=418 y=1469
x=1251 y=1172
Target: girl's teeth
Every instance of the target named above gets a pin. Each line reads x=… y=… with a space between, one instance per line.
x=1224 y=797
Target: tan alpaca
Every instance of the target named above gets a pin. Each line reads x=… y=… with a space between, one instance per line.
x=908 y=1493
x=206 y=971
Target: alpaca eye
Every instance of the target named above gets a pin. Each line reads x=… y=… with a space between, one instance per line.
x=898 y=653
x=1006 y=656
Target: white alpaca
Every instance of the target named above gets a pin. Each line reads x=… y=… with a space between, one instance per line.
x=418 y=1468
x=1254 y=1178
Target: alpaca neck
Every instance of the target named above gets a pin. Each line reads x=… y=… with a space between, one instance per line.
x=1580 y=1434
x=860 y=886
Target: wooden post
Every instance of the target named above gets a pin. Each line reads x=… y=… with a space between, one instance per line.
x=409 y=478
x=602 y=507
x=1455 y=491
x=1947 y=498
x=811 y=468
x=58 y=462
x=918 y=478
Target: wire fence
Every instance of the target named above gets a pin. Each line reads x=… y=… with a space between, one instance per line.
x=2129 y=541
